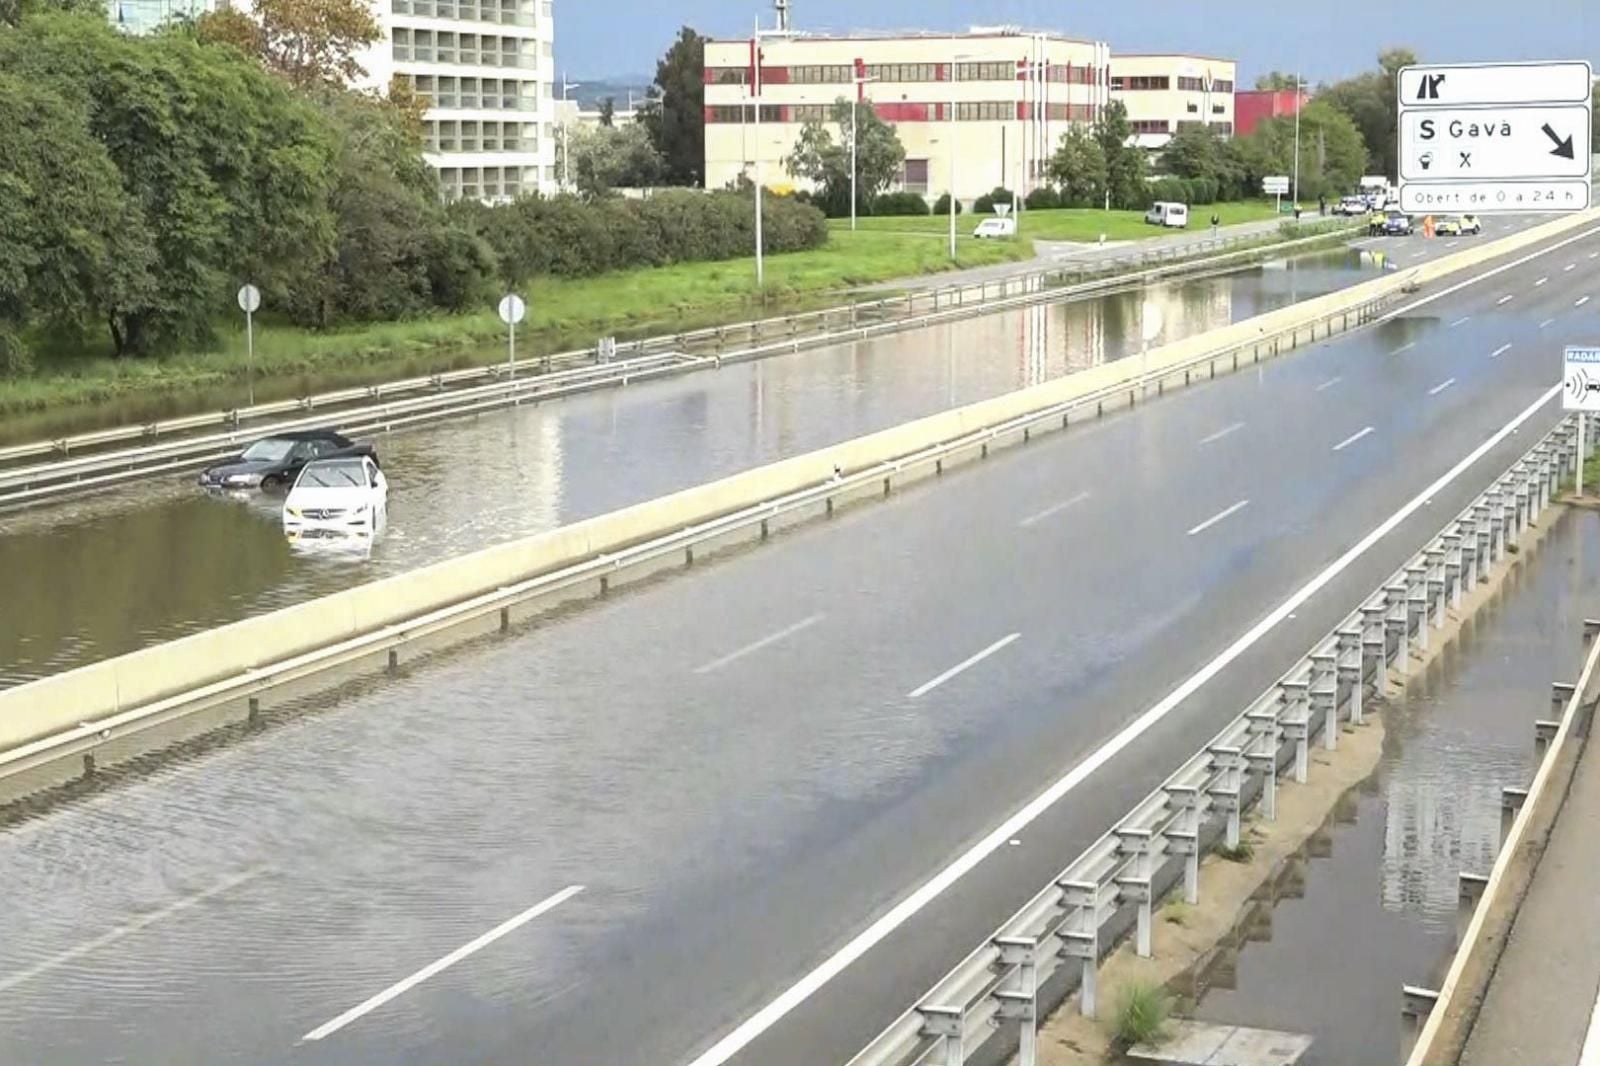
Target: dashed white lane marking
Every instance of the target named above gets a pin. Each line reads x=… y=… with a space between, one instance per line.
x=1498 y=352
x=1507 y=298
x=1581 y=301
x=773 y=638
x=1053 y=510
x=1219 y=516
x=1330 y=383
x=1223 y=432
x=1546 y=322
x=1541 y=281
x=1352 y=438
x=401 y=987
x=1406 y=347
x=1445 y=384
x=1463 y=320
x=965 y=664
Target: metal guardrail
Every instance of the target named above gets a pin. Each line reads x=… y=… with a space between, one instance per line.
x=595 y=366
x=87 y=736
x=1062 y=933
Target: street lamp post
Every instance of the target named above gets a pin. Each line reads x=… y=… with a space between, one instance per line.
x=955 y=63
x=1297 y=91
x=859 y=80
x=755 y=97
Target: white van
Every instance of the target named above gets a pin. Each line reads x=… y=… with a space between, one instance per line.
x=1173 y=216
x=996 y=227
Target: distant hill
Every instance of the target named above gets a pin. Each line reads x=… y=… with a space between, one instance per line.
x=591 y=91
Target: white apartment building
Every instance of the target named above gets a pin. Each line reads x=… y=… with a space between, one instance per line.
x=1163 y=92
x=992 y=101
x=486 y=68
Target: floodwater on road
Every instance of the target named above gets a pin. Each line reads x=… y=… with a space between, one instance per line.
x=1369 y=904
x=100 y=576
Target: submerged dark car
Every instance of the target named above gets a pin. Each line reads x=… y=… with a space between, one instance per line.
x=272 y=463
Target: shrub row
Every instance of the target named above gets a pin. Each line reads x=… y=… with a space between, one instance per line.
x=1189 y=191
x=568 y=237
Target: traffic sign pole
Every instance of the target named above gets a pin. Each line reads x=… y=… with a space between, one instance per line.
x=1582 y=418
x=249 y=301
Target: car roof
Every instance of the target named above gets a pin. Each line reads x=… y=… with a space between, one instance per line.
x=306 y=434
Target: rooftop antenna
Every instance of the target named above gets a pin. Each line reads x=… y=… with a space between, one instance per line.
x=782 y=7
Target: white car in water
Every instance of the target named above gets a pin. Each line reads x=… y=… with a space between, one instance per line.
x=337 y=496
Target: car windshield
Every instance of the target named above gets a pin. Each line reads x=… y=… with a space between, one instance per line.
x=332 y=476
x=270 y=450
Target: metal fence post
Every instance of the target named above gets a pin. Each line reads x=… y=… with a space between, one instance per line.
x=1229 y=765
x=1483 y=521
x=1350 y=671
x=945 y=1023
x=1325 y=695
x=1264 y=761
x=1185 y=839
x=1560 y=693
x=1437 y=585
x=1137 y=845
x=1544 y=731
x=1400 y=626
x=1416 y=1004
x=1511 y=801
x=1296 y=721
x=1416 y=602
x=1469 y=552
x=1082 y=941
x=1469 y=890
x=1452 y=570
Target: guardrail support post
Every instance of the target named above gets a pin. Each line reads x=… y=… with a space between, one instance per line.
x=1185 y=838
x=1468 y=554
x=1229 y=763
x=1483 y=523
x=1469 y=891
x=1263 y=760
x=394 y=659
x=1417 y=603
x=1415 y=1006
x=1544 y=731
x=1296 y=724
x=1400 y=626
x=1438 y=587
x=1591 y=627
x=1511 y=801
x=1020 y=1002
x=1351 y=670
x=1452 y=572
x=945 y=1023
x=1082 y=940
x=1560 y=693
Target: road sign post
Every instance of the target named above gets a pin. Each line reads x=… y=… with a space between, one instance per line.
x=1580 y=392
x=512 y=310
x=1495 y=137
x=250 y=303
x=1276 y=185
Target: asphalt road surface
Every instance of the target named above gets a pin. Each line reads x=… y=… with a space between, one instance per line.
x=96 y=577
x=620 y=835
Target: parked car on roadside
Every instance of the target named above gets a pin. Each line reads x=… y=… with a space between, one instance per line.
x=1396 y=224
x=337 y=496
x=1169 y=215
x=996 y=227
x=1351 y=206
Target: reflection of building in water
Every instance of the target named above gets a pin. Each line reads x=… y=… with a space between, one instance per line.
x=1108 y=328
x=1443 y=817
x=536 y=451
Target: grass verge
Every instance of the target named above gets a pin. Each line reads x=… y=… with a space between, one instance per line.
x=562 y=314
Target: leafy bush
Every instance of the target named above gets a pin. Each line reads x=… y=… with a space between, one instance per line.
x=1043 y=198
x=941 y=206
x=1170 y=190
x=984 y=205
x=1202 y=190
x=1142 y=1012
x=900 y=203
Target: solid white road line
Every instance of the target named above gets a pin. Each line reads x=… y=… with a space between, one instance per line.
x=1445 y=384
x=1463 y=320
x=735 y=656
x=923 y=690
x=1507 y=298
x=1581 y=301
x=1053 y=509
x=1492 y=272
x=1498 y=352
x=1219 y=516
x=907 y=908
x=401 y=987
x=144 y=921
x=1351 y=439
x=1330 y=383
x=1406 y=347
x=1590 y=1055
x=1223 y=432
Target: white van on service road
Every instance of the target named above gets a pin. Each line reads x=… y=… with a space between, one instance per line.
x=996 y=227
x=1173 y=216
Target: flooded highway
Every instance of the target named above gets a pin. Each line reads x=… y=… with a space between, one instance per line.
x=100 y=576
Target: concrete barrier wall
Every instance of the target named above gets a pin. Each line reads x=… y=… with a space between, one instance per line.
x=31 y=711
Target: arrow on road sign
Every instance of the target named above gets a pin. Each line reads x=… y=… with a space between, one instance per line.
x=1563 y=148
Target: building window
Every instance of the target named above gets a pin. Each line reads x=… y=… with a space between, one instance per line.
x=400 y=46
x=1142 y=83
x=727 y=76
x=448 y=98
x=986 y=72
x=986 y=111
x=1193 y=109
x=1222 y=86
x=820 y=75
x=914 y=176
x=744 y=113
x=810 y=113
x=904 y=72
x=1217 y=109
x=1151 y=125
x=1191 y=85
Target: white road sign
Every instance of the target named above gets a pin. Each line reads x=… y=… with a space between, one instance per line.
x=512 y=309
x=1495 y=137
x=249 y=299
x=1275 y=184
x=1581 y=380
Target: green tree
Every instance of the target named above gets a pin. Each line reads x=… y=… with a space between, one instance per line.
x=1195 y=151
x=1126 y=165
x=310 y=42
x=824 y=161
x=674 y=111
x=1369 y=100
x=603 y=158
x=1275 y=81
x=1079 y=168
x=12 y=12
x=608 y=111
x=1332 y=154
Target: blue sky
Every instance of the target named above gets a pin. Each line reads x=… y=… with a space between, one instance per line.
x=1329 y=39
